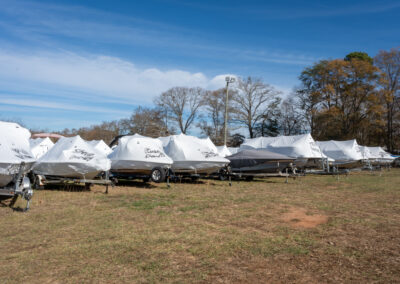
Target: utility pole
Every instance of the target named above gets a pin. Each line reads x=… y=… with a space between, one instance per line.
x=228 y=81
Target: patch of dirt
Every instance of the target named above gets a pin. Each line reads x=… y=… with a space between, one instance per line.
x=331 y=187
x=298 y=218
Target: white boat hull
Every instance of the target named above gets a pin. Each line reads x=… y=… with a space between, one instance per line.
x=9 y=170
x=68 y=170
x=380 y=162
x=5 y=179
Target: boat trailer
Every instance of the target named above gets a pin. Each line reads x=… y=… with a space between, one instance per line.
x=70 y=183
x=20 y=186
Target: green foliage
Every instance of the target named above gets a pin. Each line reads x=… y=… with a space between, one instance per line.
x=268 y=127
x=359 y=55
x=236 y=140
x=342 y=100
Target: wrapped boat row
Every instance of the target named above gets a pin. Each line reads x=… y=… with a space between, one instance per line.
x=136 y=156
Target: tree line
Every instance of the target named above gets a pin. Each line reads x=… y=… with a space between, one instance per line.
x=354 y=97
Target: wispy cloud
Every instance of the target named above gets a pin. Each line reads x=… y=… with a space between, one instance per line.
x=107 y=77
x=24 y=101
x=294 y=10
x=47 y=25
x=71 y=59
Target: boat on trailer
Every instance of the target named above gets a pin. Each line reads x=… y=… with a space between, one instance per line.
x=16 y=160
x=259 y=161
x=302 y=147
x=379 y=157
x=346 y=154
x=40 y=146
x=72 y=157
x=192 y=155
x=137 y=156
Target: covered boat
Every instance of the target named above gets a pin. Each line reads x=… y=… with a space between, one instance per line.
x=192 y=155
x=233 y=150
x=40 y=146
x=101 y=146
x=301 y=147
x=259 y=161
x=139 y=156
x=380 y=156
x=346 y=154
x=72 y=157
x=223 y=151
x=14 y=150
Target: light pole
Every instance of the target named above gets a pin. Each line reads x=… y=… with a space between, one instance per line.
x=228 y=81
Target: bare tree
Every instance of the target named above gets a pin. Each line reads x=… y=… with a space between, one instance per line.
x=253 y=101
x=147 y=122
x=212 y=123
x=291 y=118
x=106 y=131
x=389 y=64
x=182 y=105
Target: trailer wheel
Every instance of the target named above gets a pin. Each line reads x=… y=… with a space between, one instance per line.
x=158 y=175
x=194 y=178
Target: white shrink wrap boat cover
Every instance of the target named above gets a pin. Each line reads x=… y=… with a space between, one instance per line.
x=223 y=151
x=136 y=151
x=192 y=152
x=297 y=146
x=72 y=157
x=233 y=150
x=366 y=153
x=342 y=151
x=380 y=154
x=14 y=149
x=40 y=146
x=101 y=146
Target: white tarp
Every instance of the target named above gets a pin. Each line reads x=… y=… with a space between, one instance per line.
x=138 y=152
x=233 y=150
x=192 y=153
x=189 y=148
x=14 y=149
x=40 y=146
x=297 y=146
x=72 y=157
x=380 y=154
x=223 y=151
x=366 y=153
x=101 y=146
x=342 y=151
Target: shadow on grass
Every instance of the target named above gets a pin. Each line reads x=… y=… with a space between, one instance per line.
x=264 y=180
x=188 y=181
x=2 y=204
x=135 y=183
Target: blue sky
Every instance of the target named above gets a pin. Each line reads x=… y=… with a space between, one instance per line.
x=76 y=63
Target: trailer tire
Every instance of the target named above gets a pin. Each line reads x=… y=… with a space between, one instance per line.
x=158 y=175
x=249 y=178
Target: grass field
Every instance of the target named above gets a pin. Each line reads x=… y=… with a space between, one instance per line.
x=315 y=229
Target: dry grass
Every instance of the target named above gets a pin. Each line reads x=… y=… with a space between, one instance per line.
x=209 y=232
